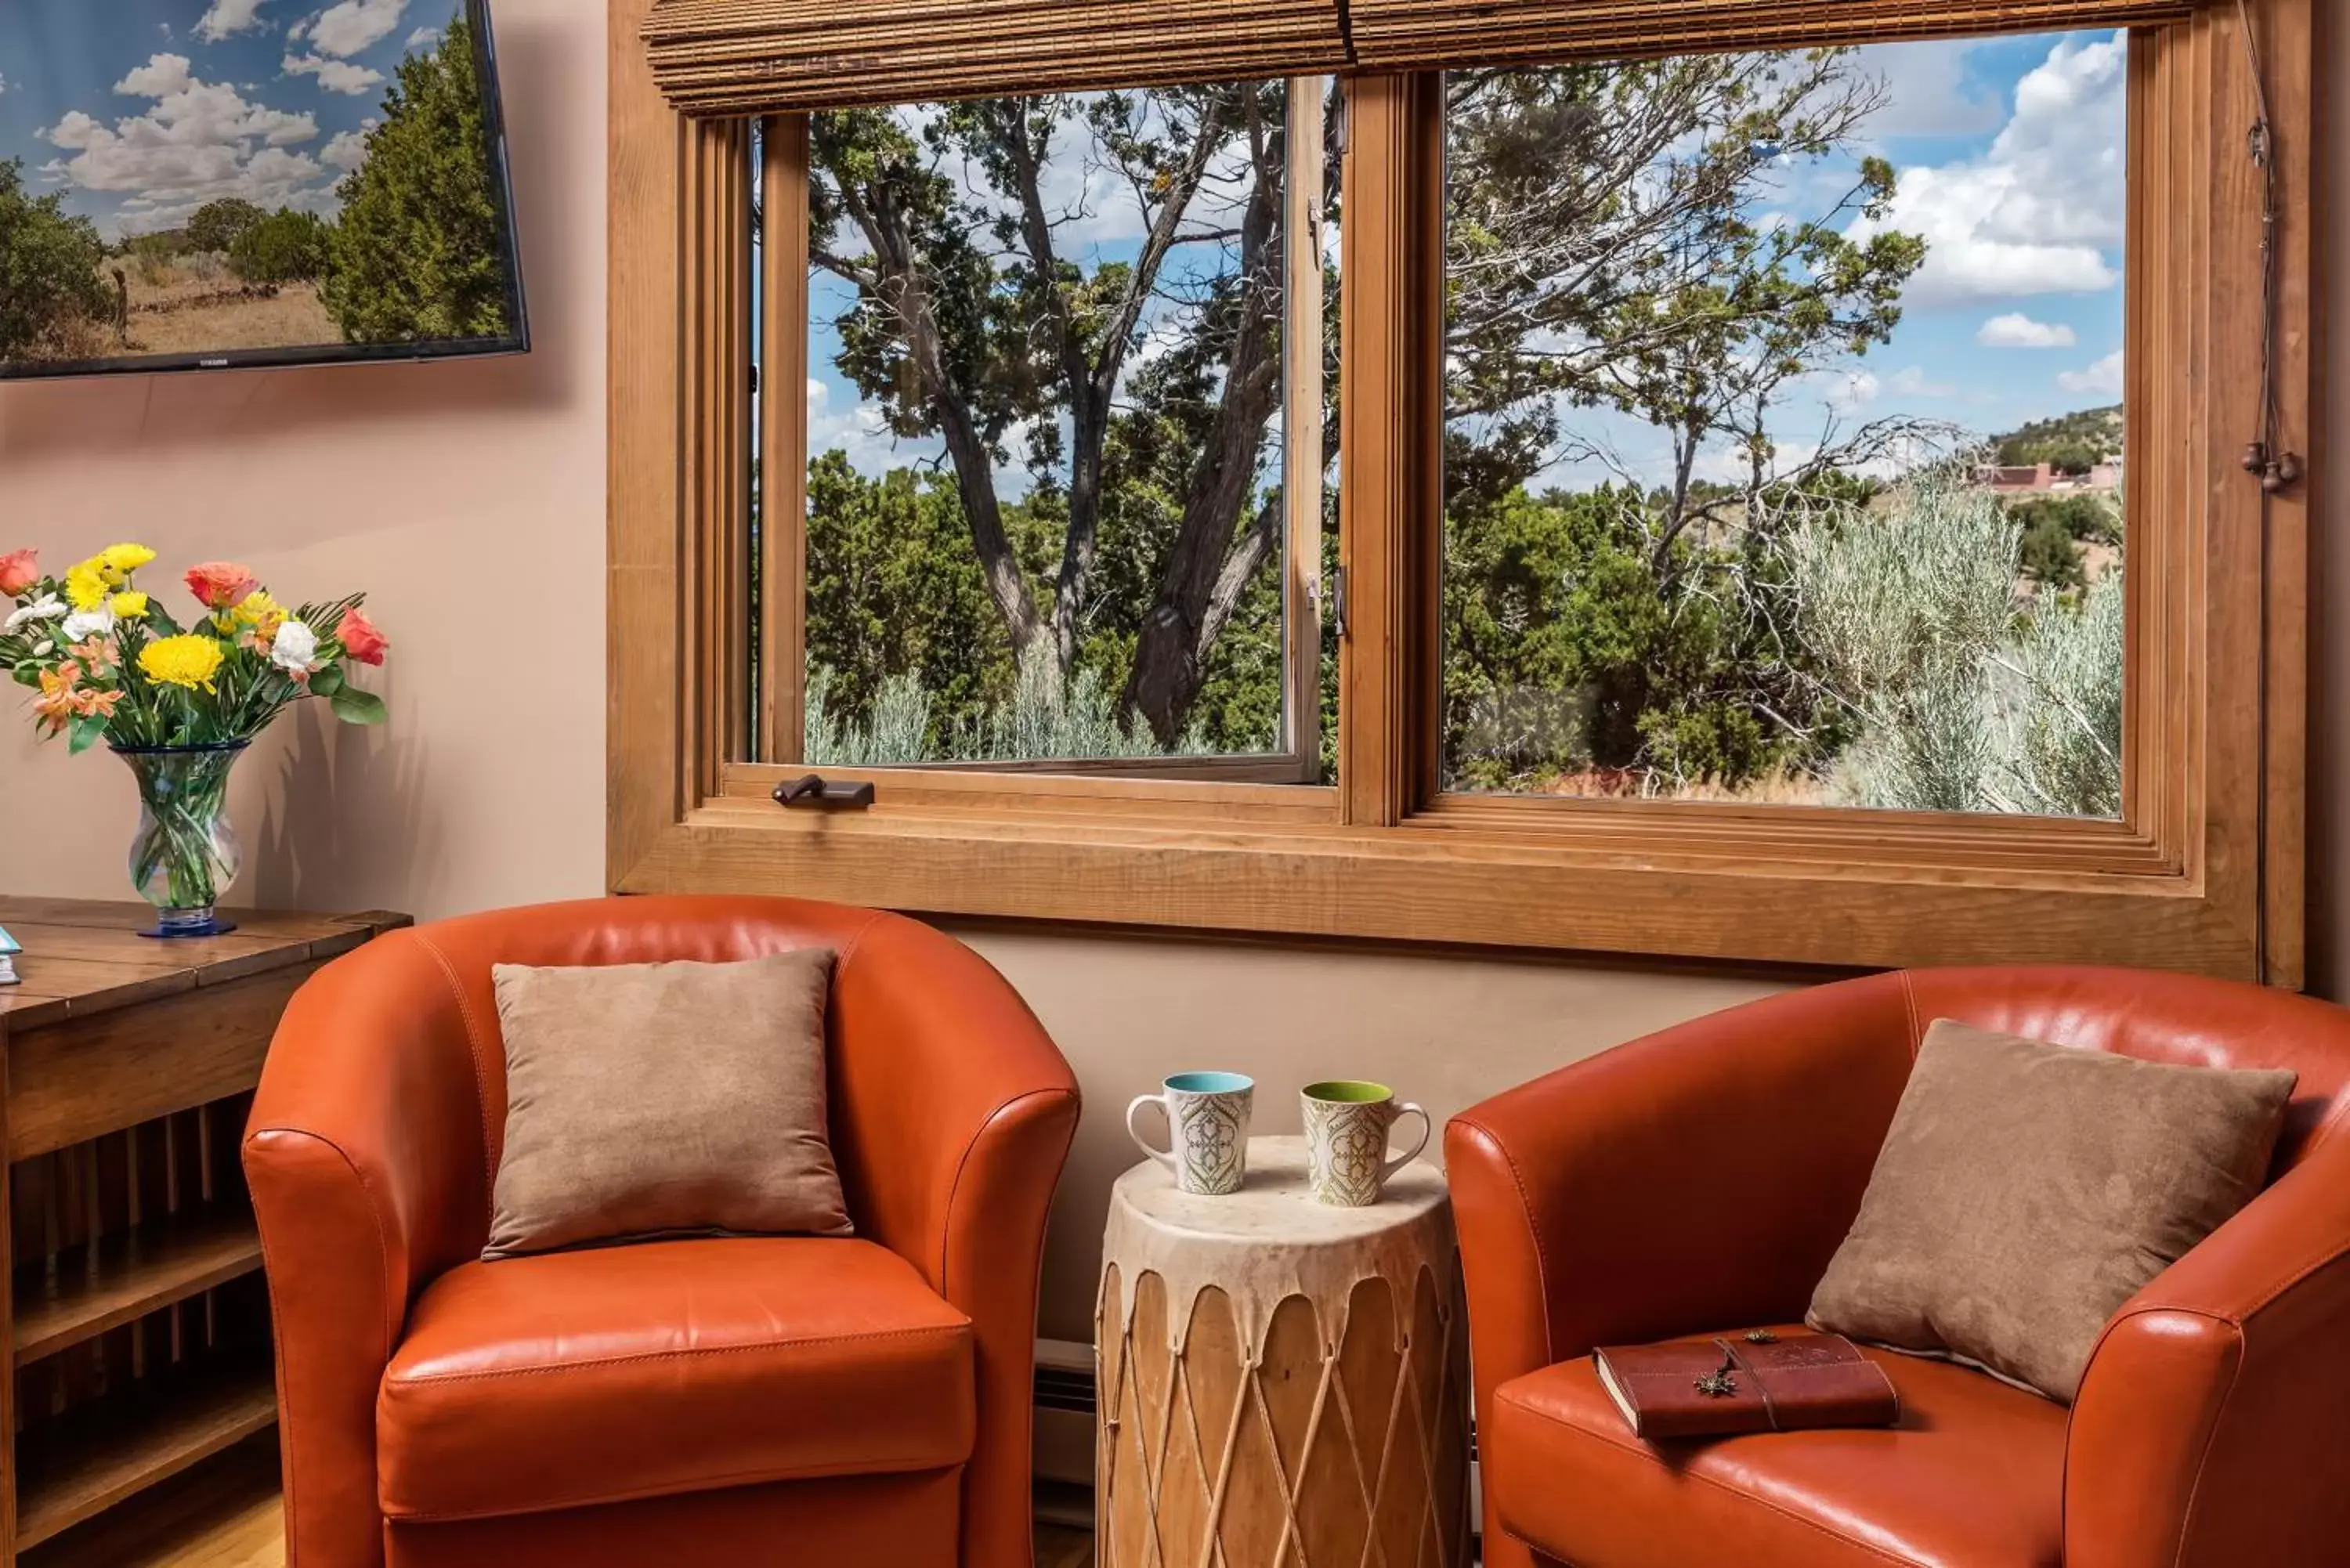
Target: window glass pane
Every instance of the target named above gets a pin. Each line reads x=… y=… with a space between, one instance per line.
x=1783 y=451
x=1046 y=514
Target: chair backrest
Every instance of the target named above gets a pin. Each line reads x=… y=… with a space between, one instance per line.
x=597 y=932
x=2185 y=1020
x=426 y=1001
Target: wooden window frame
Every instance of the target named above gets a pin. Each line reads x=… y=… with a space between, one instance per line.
x=2204 y=872
x=1296 y=757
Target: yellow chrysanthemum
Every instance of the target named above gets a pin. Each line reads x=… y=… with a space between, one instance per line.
x=188 y=660
x=256 y=607
x=130 y=606
x=85 y=584
x=126 y=558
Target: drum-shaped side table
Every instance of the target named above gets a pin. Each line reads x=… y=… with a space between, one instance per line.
x=1283 y=1384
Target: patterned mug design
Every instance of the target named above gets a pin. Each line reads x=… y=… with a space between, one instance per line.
x=1207 y=1130
x=1346 y=1124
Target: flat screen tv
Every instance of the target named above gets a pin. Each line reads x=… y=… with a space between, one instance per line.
x=221 y=184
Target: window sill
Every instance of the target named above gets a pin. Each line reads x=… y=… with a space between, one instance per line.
x=1428 y=881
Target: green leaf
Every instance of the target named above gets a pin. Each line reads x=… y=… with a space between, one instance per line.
x=353 y=706
x=326 y=681
x=85 y=734
x=160 y=621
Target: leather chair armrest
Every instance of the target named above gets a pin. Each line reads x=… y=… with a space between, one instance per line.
x=954 y=1115
x=1699 y=1178
x=2209 y=1428
x=364 y=1153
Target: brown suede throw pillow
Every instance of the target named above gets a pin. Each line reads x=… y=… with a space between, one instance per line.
x=2026 y=1190
x=653 y=1099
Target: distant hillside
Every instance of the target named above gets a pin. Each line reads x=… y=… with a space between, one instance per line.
x=2076 y=440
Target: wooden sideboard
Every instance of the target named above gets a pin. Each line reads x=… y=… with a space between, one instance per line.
x=138 y=1320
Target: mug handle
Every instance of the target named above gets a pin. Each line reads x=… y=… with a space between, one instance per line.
x=1426 y=1126
x=1165 y=1157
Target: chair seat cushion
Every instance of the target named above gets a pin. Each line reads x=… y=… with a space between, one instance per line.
x=1973 y=1475
x=572 y=1378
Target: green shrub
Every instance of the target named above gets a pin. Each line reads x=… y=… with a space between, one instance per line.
x=50 y=290
x=417 y=253
x=286 y=246
x=2084 y=519
x=1967 y=700
x=217 y=227
x=2048 y=555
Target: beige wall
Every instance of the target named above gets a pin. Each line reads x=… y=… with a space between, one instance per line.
x=470 y=501
x=1443 y=1031
x=467 y=499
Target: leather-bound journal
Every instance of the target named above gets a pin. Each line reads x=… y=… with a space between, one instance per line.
x=1719 y=1387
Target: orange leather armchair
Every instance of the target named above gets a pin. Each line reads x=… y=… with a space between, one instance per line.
x=1699 y=1181
x=747 y=1400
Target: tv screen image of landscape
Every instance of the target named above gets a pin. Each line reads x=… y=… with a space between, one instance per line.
x=219 y=184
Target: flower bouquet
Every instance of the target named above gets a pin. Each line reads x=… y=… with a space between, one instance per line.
x=178 y=702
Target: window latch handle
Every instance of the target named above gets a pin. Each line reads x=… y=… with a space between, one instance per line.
x=1331 y=598
x=815 y=792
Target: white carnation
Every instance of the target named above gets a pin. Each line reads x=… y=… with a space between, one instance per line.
x=295 y=649
x=85 y=624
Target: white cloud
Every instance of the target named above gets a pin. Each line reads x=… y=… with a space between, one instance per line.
x=4 y=85
x=423 y=38
x=161 y=76
x=1912 y=382
x=2016 y=330
x=334 y=76
x=226 y=18
x=198 y=141
x=1847 y=390
x=1927 y=91
x=346 y=28
x=2104 y=377
x=2037 y=213
x=859 y=430
x=347 y=151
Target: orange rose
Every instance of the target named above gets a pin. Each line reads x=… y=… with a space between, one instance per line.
x=220 y=584
x=18 y=571
x=360 y=640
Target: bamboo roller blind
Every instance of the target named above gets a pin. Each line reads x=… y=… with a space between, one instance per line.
x=768 y=57
x=774 y=57
x=1436 y=35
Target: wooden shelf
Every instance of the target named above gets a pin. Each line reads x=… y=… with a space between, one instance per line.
x=122 y=1445
x=130 y=1275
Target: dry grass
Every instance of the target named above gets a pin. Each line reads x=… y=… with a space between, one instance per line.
x=1784 y=786
x=213 y=321
x=192 y=304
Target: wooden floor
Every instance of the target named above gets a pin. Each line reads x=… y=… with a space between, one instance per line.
x=225 y=1515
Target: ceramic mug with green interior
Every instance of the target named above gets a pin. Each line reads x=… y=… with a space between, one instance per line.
x=1347 y=1124
x=1207 y=1130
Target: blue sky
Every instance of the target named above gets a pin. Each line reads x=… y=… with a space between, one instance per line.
x=2010 y=156
x=141 y=111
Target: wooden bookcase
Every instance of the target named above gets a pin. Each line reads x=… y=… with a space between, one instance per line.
x=138 y=1319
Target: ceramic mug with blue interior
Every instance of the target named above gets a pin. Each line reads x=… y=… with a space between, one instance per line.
x=1207 y=1130
x=1347 y=1124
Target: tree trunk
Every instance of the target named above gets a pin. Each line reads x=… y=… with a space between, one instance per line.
x=1208 y=569
x=900 y=281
